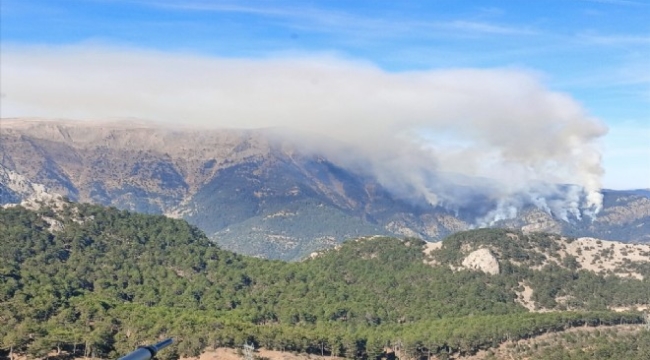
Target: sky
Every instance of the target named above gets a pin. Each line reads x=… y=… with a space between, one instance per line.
x=594 y=54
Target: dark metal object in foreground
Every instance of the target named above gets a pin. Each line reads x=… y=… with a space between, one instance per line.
x=147 y=352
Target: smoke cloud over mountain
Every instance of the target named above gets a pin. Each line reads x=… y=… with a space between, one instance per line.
x=444 y=136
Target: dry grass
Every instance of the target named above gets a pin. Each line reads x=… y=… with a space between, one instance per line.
x=231 y=354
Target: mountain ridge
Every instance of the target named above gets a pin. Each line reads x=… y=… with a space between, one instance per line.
x=232 y=183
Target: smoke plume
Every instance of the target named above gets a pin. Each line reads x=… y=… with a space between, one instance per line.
x=442 y=135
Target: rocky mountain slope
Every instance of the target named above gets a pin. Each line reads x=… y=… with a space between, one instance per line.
x=252 y=191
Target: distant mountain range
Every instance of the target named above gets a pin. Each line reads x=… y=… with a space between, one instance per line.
x=252 y=191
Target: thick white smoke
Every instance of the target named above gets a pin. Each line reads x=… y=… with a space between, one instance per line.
x=420 y=132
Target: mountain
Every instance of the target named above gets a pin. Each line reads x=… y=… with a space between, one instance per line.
x=103 y=281
x=255 y=191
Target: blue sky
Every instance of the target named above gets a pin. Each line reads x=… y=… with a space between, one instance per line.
x=596 y=51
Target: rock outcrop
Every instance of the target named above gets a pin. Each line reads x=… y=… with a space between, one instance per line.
x=482 y=260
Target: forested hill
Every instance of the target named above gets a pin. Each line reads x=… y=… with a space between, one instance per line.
x=99 y=281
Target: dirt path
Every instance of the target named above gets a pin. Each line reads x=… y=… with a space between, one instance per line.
x=231 y=354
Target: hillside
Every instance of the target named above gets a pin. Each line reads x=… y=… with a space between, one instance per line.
x=101 y=281
x=255 y=191
x=554 y=272
x=249 y=190
x=585 y=343
x=598 y=343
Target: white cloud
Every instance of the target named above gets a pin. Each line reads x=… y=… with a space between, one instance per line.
x=510 y=127
x=615 y=40
x=347 y=24
x=619 y=2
